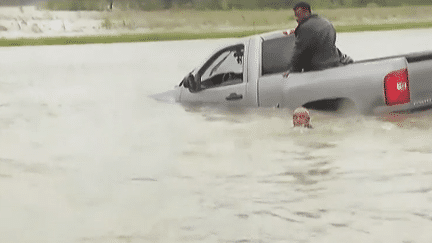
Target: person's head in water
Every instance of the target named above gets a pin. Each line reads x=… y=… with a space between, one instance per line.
x=301 y=118
x=302 y=10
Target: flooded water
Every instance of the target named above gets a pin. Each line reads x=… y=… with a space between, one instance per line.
x=87 y=156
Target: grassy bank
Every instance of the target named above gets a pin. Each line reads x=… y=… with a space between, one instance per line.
x=250 y=18
x=186 y=36
x=186 y=25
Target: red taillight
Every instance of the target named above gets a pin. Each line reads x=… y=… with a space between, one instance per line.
x=396 y=87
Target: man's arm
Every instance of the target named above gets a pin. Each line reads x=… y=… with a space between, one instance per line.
x=289 y=32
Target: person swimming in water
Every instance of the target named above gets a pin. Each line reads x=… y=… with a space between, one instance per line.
x=301 y=118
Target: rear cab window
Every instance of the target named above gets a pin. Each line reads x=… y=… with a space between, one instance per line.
x=276 y=54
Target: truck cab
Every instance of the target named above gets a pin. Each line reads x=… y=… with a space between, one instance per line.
x=249 y=72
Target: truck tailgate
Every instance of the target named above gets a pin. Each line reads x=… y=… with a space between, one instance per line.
x=420 y=81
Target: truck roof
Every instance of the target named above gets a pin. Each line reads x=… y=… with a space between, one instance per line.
x=272 y=35
x=265 y=36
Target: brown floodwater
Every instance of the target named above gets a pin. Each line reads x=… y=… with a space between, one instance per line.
x=87 y=156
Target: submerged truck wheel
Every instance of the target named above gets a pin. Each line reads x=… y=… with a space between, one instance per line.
x=339 y=105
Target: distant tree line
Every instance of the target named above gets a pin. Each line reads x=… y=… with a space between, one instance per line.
x=149 y=5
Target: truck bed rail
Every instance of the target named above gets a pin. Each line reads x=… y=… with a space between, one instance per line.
x=411 y=58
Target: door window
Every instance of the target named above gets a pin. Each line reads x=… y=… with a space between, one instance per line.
x=224 y=68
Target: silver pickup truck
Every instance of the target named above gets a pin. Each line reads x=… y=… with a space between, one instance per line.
x=249 y=72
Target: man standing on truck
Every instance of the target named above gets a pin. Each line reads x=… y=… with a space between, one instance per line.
x=315 y=47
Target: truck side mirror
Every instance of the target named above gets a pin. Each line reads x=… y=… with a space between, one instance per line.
x=239 y=56
x=190 y=83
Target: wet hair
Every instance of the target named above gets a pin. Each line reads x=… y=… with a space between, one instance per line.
x=303 y=5
x=301 y=110
x=305 y=122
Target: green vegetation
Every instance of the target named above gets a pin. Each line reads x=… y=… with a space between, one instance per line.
x=183 y=24
x=74 y=5
x=185 y=36
x=150 y=5
x=121 y=38
x=173 y=20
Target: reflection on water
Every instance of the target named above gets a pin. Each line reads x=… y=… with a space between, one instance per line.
x=417 y=119
x=88 y=156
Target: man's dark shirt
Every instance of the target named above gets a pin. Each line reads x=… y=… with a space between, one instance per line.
x=315 y=47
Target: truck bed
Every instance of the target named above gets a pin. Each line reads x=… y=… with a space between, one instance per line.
x=420 y=78
x=411 y=57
